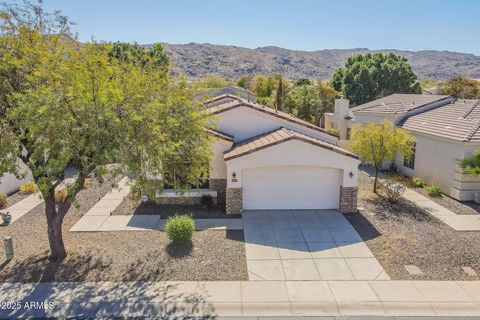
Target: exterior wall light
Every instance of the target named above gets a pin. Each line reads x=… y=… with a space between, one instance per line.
x=351 y=174
x=234 y=177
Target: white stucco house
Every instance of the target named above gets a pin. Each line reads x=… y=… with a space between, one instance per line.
x=267 y=159
x=446 y=130
x=9 y=183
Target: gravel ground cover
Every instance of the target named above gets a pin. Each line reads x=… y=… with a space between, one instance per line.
x=403 y=234
x=452 y=204
x=129 y=207
x=119 y=255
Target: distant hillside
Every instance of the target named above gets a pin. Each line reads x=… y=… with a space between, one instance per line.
x=197 y=60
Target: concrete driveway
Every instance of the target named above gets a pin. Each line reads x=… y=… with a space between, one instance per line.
x=306 y=245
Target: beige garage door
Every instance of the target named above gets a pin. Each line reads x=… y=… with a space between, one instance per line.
x=291 y=187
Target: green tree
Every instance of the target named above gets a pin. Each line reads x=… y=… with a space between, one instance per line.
x=327 y=95
x=245 y=82
x=379 y=142
x=263 y=86
x=77 y=107
x=304 y=102
x=302 y=82
x=372 y=76
x=461 y=88
x=135 y=53
x=210 y=82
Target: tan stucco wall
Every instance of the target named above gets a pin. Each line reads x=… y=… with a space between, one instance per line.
x=218 y=168
x=435 y=160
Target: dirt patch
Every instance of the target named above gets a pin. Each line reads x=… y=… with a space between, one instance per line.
x=129 y=207
x=404 y=234
x=119 y=255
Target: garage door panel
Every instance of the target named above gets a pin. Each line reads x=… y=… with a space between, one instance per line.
x=291 y=188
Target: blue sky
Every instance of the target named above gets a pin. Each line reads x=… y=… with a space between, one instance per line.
x=451 y=25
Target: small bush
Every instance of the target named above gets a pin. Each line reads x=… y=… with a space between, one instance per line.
x=392 y=189
x=433 y=190
x=418 y=182
x=180 y=228
x=3 y=200
x=61 y=195
x=88 y=184
x=28 y=187
x=334 y=131
x=206 y=201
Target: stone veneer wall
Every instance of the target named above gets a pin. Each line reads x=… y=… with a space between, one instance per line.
x=182 y=200
x=234 y=203
x=348 y=199
x=219 y=185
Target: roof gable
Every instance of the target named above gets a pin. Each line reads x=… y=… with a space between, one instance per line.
x=283 y=116
x=276 y=137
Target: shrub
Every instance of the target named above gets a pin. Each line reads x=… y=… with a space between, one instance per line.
x=334 y=131
x=392 y=189
x=180 y=228
x=87 y=184
x=61 y=195
x=433 y=190
x=206 y=201
x=418 y=182
x=3 y=200
x=28 y=187
x=471 y=164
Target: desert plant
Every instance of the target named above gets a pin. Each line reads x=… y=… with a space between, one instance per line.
x=179 y=228
x=392 y=189
x=61 y=195
x=418 y=182
x=434 y=190
x=206 y=201
x=3 y=200
x=28 y=187
x=471 y=165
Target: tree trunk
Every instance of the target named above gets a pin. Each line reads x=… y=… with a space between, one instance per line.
x=375 y=181
x=54 y=225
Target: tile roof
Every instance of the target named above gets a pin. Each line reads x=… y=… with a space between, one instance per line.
x=211 y=101
x=397 y=103
x=279 y=114
x=220 y=134
x=459 y=120
x=275 y=137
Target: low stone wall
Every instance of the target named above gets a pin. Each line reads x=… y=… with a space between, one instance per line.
x=219 y=185
x=234 y=201
x=348 y=199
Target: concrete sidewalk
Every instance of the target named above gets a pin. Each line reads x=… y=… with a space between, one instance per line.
x=24 y=206
x=242 y=298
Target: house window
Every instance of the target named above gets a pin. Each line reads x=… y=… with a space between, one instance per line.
x=410 y=162
x=349 y=133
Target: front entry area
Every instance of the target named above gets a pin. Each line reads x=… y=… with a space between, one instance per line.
x=291 y=187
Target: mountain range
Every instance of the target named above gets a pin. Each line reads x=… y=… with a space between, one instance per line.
x=196 y=60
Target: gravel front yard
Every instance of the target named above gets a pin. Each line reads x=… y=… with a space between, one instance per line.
x=119 y=255
x=403 y=234
x=452 y=204
x=129 y=207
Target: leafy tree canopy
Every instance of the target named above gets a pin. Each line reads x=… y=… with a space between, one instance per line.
x=302 y=82
x=136 y=54
x=372 y=76
x=379 y=142
x=461 y=88
x=71 y=105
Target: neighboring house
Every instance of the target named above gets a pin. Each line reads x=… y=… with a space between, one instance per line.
x=9 y=183
x=446 y=130
x=227 y=90
x=267 y=159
